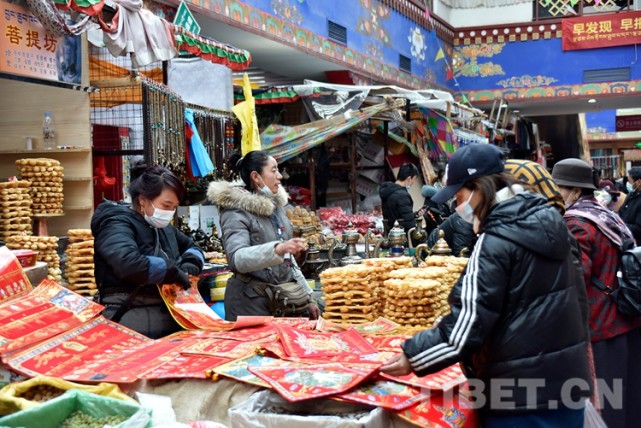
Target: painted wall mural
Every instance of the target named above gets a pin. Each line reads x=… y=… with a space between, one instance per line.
x=371 y=24
x=526 y=81
x=376 y=35
x=287 y=10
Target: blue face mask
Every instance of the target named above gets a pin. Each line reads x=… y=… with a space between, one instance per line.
x=629 y=187
x=465 y=210
x=267 y=191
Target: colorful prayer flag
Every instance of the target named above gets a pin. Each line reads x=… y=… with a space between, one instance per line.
x=439 y=54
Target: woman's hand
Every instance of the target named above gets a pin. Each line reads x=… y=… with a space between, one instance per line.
x=314 y=311
x=397 y=366
x=292 y=246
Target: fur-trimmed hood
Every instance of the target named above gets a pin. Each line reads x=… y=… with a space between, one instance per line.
x=229 y=196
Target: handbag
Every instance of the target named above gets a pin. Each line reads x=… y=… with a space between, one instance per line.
x=288 y=299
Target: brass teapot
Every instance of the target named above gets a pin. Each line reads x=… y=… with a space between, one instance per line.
x=350 y=239
x=395 y=240
x=417 y=234
x=422 y=251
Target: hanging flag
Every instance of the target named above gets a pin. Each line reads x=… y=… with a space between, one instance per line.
x=464 y=99
x=427 y=13
x=439 y=54
x=449 y=75
x=246 y=113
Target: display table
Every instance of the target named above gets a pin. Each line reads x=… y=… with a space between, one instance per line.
x=36 y=273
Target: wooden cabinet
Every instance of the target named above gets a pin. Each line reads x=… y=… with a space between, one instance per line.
x=22 y=108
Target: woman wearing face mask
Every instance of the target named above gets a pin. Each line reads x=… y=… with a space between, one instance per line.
x=630 y=211
x=396 y=200
x=257 y=237
x=515 y=314
x=616 y=339
x=136 y=248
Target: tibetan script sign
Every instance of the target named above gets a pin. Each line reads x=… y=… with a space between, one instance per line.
x=599 y=31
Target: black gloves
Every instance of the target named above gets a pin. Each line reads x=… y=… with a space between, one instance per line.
x=191 y=263
x=190 y=268
x=175 y=275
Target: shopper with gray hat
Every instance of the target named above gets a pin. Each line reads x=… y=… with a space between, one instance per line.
x=616 y=339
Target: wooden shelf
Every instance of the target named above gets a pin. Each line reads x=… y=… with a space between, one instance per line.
x=77 y=207
x=77 y=178
x=43 y=151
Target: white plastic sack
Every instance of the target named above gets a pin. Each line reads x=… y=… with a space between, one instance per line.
x=592 y=418
x=269 y=410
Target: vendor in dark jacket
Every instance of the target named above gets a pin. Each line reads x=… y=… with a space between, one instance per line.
x=137 y=248
x=518 y=320
x=396 y=200
x=630 y=211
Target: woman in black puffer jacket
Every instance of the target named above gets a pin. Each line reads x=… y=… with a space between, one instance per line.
x=518 y=320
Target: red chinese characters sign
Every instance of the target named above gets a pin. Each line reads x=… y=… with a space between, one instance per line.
x=599 y=31
x=27 y=49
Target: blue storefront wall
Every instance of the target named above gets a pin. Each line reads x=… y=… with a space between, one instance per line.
x=372 y=29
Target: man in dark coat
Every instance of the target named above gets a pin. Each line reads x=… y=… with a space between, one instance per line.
x=630 y=212
x=396 y=200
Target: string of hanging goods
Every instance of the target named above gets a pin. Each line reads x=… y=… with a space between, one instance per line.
x=163 y=111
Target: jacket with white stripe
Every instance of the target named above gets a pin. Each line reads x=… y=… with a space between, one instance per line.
x=518 y=312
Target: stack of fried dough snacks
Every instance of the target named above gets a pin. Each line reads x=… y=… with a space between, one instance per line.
x=46 y=248
x=352 y=292
x=79 y=269
x=45 y=176
x=417 y=297
x=381 y=268
x=15 y=209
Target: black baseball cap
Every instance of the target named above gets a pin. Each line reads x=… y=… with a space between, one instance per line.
x=468 y=163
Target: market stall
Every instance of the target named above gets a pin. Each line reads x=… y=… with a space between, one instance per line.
x=212 y=370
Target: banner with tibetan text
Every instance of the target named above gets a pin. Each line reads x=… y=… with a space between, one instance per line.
x=600 y=31
x=26 y=49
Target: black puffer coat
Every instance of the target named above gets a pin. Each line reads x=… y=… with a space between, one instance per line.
x=124 y=245
x=630 y=213
x=397 y=205
x=519 y=311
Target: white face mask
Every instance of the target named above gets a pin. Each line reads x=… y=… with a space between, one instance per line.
x=160 y=218
x=465 y=210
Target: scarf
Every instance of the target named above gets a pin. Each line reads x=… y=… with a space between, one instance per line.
x=605 y=220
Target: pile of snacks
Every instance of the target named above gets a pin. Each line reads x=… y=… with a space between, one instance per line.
x=381 y=267
x=306 y=225
x=79 y=268
x=45 y=176
x=41 y=393
x=46 y=248
x=418 y=296
x=78 y=419
x=15 y=214
x=350 y=294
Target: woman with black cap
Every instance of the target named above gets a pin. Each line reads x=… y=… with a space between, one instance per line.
x=517 y=323
x=616 y=339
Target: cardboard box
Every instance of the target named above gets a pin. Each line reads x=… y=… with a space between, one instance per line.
x=372 y=151
x=366 y=187
x=376 y=175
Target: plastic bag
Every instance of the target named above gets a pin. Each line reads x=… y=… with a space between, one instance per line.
x=269 y=410
x=11 y=400
x=53 y=413
x=591 y=417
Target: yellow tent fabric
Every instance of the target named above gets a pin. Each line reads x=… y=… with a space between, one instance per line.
x=246 y=113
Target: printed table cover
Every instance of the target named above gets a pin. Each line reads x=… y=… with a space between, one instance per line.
x=385 y=393
x=296 y=382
